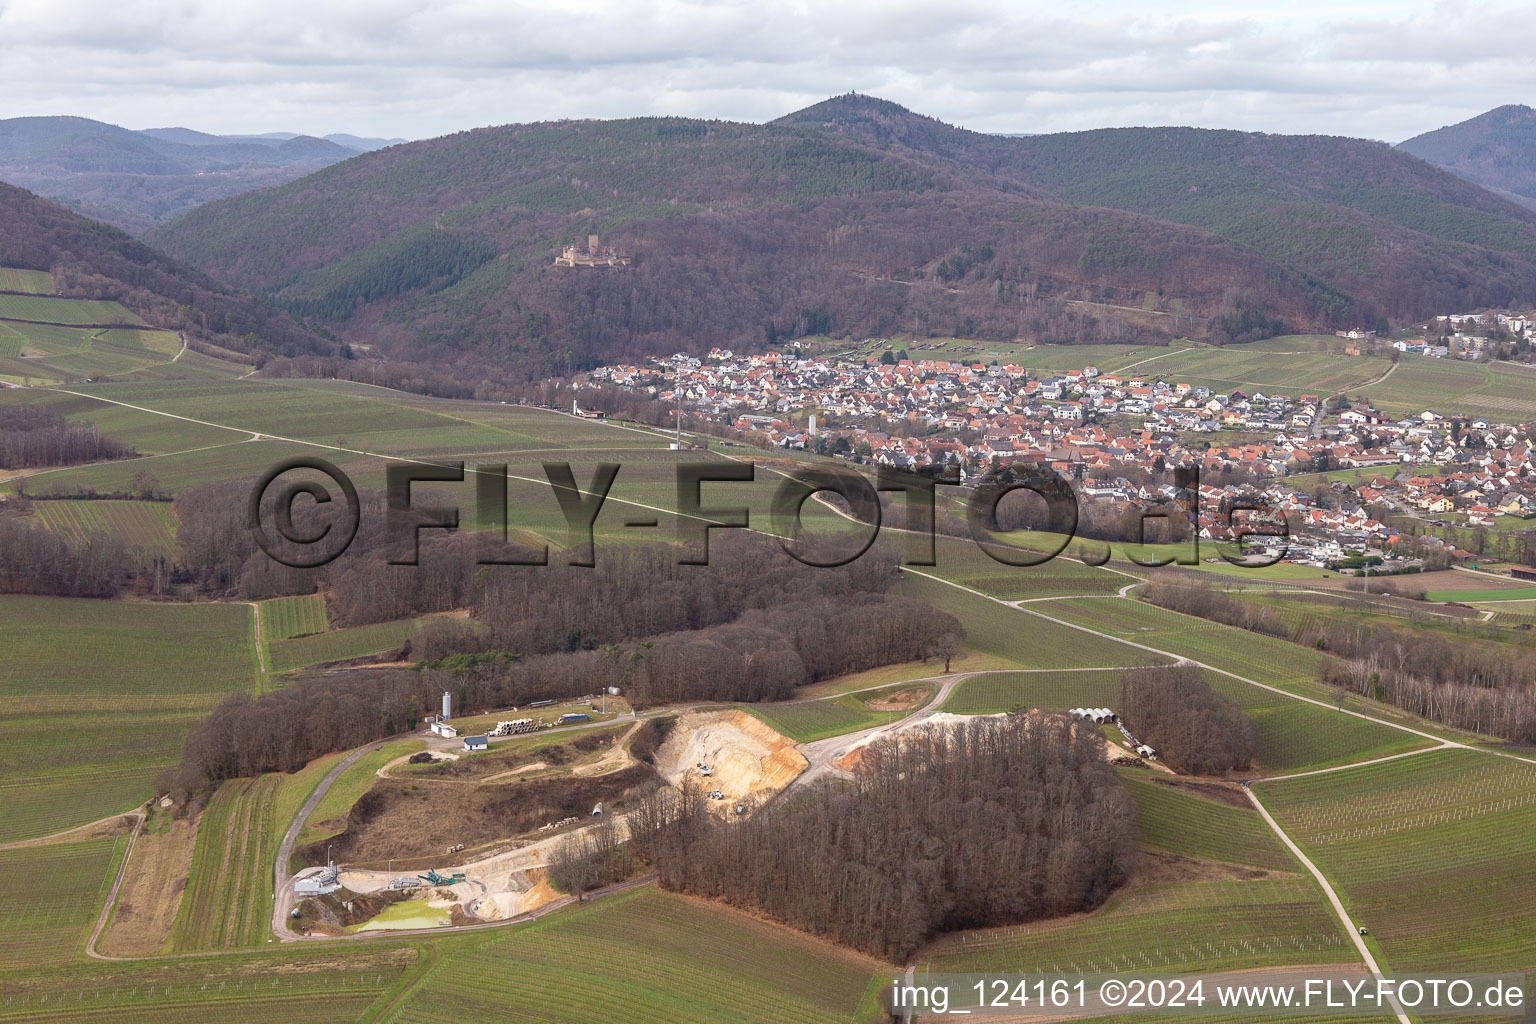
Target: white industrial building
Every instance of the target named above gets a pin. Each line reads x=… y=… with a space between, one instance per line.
x=319 y=884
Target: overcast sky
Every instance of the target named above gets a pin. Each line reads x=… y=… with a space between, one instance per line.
x=419 y=68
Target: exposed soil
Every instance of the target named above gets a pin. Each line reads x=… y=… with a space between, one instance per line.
x=1161 y=866
x=402 y=818
x=153 y=882
x=901 y=700
x=1227 y=793
x=616 y=758
x=509 y=903
x=513 y=758
x=749 y=760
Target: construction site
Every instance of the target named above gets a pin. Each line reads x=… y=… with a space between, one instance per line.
x=446 y=836
x=441 y=836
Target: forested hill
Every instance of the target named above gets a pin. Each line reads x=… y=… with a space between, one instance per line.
x=1371 y=221
x=1496 y=149
x=855 y=216
x=92 y=260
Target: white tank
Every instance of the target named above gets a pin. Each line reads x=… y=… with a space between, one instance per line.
x=447 y=704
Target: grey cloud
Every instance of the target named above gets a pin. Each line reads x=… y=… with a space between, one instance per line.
x=392 y=67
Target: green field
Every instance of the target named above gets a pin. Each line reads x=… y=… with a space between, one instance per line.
x=53 y=898
x=1297 y=737
x=146 y=432
x=964 y=562
x=283 y=618
x=1261 y=658
x=1482 y=596
x=1065 y=358
x=1028 y=641
x=992 y=693
x=1184 y=822
x=58 y=645
x=148 y=526
x=1503 y=392
x=373 y=419
x=186 y=468
x=228 y=900
x=1160 y=928
x=48 y=354
x=1432 y=853
x=807 y=720
x=1292 y=372
x=1293 y=735
x=317 y=986
x=646 y=957
x=1524 y=616
x=1284 y=572
x=52 y=310
x=287 y=655
x=37 y=282
x=97 y=696
x=814 y=720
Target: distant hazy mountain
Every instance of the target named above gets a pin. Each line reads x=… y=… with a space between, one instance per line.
x=364 y=145
x=136 y=179
x=857 y=216
x=1496 y=149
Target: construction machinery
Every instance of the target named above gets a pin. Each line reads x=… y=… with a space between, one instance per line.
x=432 y=877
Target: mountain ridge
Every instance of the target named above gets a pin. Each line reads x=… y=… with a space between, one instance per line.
x=135 y=179
x=1495 y=149
x=857 y=216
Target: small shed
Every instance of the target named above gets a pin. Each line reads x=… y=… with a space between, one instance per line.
x=474 y=743
x=442 y=728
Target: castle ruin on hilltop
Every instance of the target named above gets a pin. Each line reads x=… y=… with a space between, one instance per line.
x=594 y=255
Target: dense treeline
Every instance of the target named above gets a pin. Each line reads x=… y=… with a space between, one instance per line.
x=991 y=822
x=762 y=655
x=1209 y=603
x=36 y=561
x=631 y=591
x=37 y=435
x=1459 y=681
x=1464 y=683
x=1194 y=729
